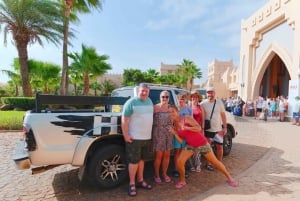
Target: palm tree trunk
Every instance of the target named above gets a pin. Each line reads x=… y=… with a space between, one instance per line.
x=64 y=85
x=23 y=58
x=64 y=76
x=86 y=86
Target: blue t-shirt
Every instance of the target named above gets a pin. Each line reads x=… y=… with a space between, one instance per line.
x=141 y=117
x=185 y=111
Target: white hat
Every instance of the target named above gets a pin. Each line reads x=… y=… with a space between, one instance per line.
x=210 y=89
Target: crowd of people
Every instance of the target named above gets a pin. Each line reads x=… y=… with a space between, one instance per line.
x=261 y=108
x=264 y=108
x=167 y=128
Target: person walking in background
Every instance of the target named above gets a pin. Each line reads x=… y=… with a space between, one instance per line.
x=215 y=111
x=296 y=111
x=281 y=108
x=199 y=116
x=259 y=105
x=184 y=110
x=137 y=119
x=162 y=139
x=186 y=128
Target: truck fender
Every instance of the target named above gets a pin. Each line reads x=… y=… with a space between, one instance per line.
x=82 y=149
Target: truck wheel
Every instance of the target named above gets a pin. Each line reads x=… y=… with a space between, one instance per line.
x=108 y=167
x=227 y=143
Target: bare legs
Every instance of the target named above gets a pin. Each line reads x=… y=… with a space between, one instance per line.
x=177 y=152
x=136 y=170
x=181 y=160
x=210 y=157
x=162 y=158
x=218 y=164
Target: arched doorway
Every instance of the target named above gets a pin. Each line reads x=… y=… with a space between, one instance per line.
x=275 y=81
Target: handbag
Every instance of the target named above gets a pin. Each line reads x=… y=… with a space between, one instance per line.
x=207 y=121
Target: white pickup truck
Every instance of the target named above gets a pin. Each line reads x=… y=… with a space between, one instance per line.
x=89 y=138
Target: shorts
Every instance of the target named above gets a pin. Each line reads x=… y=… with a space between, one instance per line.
x=214 y=136
x=201 y=149
x=258 y=109
x=177 y=145
x=137 y=150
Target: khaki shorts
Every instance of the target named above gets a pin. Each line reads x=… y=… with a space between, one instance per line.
x=201 y=149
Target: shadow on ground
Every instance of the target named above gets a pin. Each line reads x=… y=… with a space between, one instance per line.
x=67 y=187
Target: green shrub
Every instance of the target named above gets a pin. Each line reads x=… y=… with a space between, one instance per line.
x=11 y=120
x=23 y=103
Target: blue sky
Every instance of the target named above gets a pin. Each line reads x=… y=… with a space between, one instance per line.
x=143 y=33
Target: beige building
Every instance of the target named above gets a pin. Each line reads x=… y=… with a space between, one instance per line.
x=270 y=51
x=115 y=78
x=223 y=76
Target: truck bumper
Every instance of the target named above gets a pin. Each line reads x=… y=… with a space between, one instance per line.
x=20 y=156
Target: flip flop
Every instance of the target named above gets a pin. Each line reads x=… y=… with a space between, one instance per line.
x=157 y=180
x=180 y=184
x=167 y=179
x=232 y=182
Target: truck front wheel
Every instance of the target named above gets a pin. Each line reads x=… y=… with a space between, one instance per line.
x=108 y=167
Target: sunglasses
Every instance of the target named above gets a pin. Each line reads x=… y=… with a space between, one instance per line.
x=164 y=96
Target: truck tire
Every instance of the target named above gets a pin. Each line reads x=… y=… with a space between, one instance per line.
x=108 y=167
x=227 y=143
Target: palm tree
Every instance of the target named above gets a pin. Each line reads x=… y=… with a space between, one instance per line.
x=77 y=6
x=95 y=86
x=90 y=64
x=189 y=72
x=151 y=76
x=107 y=86
x=15 y=80
x=29 y=21
x=44 y=76
x=75 y=78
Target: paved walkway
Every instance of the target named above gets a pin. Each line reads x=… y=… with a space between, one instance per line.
x=270 y=149
x=276 y=176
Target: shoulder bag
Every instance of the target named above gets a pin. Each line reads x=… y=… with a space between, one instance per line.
x=207 y=121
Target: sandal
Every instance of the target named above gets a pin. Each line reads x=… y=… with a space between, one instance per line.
x=157 y=180
x=144 y=185
x=180 y=184
x=167 y=179
x=132 y=190
x=232 y=182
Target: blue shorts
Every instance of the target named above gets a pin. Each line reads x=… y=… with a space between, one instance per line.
x=177 y=145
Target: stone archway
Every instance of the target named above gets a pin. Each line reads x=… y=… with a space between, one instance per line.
x=275 y=80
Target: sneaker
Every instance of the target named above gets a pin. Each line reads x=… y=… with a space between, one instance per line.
x=192 y=169
x=198 y=169
x=175 y=173
x=210 y=167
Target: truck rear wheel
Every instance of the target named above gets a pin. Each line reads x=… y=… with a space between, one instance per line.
x=108 y=167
